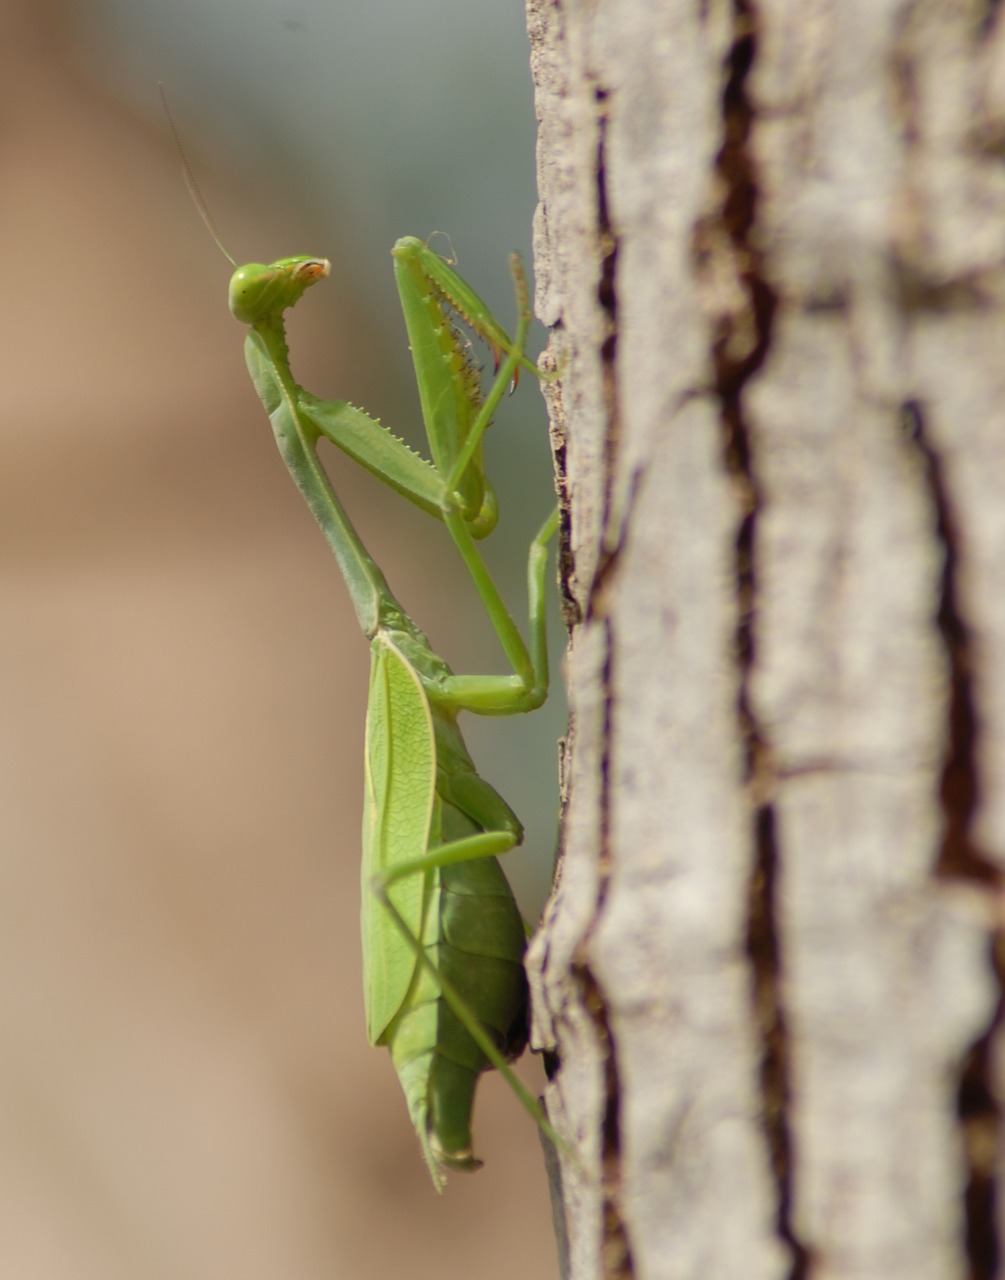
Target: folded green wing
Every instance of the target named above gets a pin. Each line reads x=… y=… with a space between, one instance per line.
x=400 y=785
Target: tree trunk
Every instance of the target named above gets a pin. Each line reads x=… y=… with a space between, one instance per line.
x=770 y=249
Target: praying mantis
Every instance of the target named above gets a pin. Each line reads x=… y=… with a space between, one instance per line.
x=443 y=940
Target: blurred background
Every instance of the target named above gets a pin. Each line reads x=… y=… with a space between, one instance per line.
x=185 y=1084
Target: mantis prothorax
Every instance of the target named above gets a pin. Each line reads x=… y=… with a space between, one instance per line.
x=443 y=940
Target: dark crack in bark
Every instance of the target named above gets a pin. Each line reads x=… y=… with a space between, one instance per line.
x=607 y=299
x=741 y=347
x=960 y=859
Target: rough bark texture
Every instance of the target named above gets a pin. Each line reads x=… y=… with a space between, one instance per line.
x=770 y=248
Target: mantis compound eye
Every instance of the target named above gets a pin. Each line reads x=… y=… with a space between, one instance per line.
x=249 y=288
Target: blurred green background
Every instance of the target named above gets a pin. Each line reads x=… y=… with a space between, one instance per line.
x=185 y=1088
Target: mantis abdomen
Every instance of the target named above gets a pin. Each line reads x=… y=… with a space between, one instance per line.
x=475 y=938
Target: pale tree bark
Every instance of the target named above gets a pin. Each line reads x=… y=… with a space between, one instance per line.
x=770 y=248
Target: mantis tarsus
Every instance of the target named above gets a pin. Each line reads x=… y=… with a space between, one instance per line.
x=443 y=940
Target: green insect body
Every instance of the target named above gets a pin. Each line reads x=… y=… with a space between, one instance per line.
x=443 y=940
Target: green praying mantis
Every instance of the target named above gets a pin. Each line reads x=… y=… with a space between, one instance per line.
x=443 y=940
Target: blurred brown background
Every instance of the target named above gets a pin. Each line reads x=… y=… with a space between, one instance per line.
x=185 y=1084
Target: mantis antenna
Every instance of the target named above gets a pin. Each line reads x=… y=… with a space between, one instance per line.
x=190 y=181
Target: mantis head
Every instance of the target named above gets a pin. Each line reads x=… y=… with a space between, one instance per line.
x=257 y=291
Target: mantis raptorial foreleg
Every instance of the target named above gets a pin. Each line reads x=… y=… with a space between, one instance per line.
x=431 y=294
x=443 y=939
